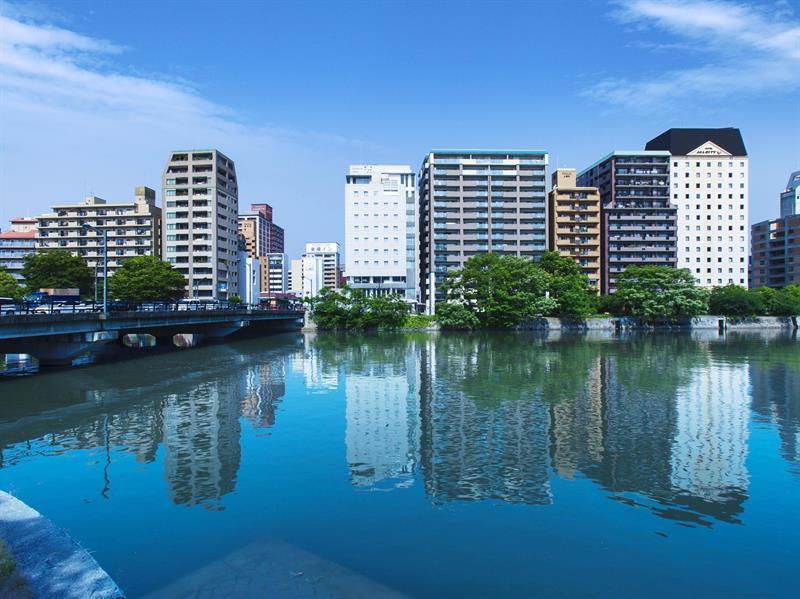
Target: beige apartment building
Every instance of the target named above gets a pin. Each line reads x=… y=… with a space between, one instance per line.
x=201 y=205
x=133 y=229
x=574 y=222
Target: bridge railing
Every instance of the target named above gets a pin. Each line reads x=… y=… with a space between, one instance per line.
x=10 y=309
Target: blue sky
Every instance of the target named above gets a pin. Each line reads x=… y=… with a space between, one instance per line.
x=95 y=95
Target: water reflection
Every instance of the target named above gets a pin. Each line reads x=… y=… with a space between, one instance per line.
x=656 y=421
x=660 y=422
x=193 y=414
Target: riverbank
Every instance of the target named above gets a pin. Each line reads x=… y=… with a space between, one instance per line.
x=710 y=322
x=48 y=563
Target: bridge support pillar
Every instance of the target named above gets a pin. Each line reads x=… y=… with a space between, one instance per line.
x=187 y=339
x=138 y=340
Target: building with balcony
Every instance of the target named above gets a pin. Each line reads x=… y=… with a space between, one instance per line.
x=790 y=197
x=200 y=234
x=262 y=238
x=637 y=220
x=381 y=230
x=709 y=187
x=477 y=201
x=574 y=223
x=133 y=229
x=17 y=243
x=775 y=254
x=275 y=266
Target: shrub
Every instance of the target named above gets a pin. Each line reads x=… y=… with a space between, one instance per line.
x=733 y=300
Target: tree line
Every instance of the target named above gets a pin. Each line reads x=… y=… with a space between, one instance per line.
x=502 y=291
x=139 y=279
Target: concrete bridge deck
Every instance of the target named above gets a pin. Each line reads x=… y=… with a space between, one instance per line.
x=59 y=338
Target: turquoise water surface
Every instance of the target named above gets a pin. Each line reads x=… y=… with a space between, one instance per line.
x=437 y=465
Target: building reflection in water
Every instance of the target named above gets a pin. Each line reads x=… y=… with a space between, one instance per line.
x=657 y=422
x=196 y=418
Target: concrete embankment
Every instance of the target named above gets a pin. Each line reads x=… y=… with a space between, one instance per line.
x=49 y=563
x=720 y=323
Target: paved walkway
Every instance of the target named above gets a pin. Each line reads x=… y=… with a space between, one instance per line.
x=272 y=568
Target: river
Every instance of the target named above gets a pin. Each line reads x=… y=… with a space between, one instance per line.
x=431 y=465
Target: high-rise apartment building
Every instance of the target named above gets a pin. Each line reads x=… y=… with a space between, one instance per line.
x=776 y=244
x=574 y=223
x=262 y=238
x=200 y=221
x=476 y=201
x=790 y=197
x=709 y=187
x=133 y=229
x=637 y=219
x=381 y=230
x=17 y=243
x=261 y=234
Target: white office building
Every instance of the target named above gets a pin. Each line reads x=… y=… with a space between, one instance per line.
x=709 y=187
x=321 y=266
x=381 y=221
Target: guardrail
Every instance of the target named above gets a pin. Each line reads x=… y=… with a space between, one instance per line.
x=97 y=307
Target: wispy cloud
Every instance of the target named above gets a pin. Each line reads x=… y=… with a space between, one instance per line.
x=101 y=127
x=738 y=49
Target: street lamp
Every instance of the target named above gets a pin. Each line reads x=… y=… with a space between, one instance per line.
x=86 y=227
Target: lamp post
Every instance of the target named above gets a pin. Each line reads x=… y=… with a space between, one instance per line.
x=86 y=227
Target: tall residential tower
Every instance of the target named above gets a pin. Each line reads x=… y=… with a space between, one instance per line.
x=637 y=218
x=574 y=223
x=200 y=221
x=476 y=201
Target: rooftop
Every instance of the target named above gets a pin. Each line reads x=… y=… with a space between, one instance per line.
x=679 y=142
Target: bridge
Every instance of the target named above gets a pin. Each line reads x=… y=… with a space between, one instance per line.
x=60 y=338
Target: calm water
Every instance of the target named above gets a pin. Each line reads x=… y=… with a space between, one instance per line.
x=437 y=465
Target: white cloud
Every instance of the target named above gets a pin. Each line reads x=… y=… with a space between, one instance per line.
x=68 y=110
x=744 y=49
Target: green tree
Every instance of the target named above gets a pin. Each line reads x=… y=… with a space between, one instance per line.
x=501 y=290
x=235 y=299
x=660 y=294
x=350 y=309
x=733 y=300
x=787 y=301
x=768 y=297
x=569 y=286
x=9 y=286
x=146 y=278
x=57 y=269
x=453 y=315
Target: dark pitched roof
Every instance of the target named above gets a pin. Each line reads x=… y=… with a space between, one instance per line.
x=679 y=142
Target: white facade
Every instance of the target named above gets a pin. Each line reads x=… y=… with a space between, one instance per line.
x=710 y=188
x=276 y=269
x=295 y=276
x=790 y=199
x=381 y=220
x=249 y=278
x=328 y=254
x=709 y=455
x=313 y=275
